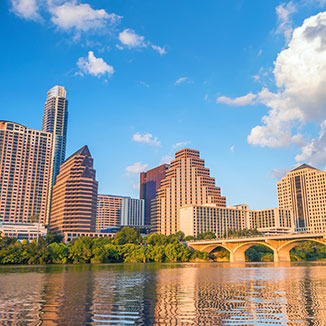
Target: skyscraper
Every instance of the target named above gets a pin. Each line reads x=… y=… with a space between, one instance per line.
x=74 y=197
x=187 y=182
x=25 y=161
x=150 y=182
x=303 y=190
x=55 y=121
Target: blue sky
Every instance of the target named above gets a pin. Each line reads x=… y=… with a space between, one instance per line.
x=241 y=81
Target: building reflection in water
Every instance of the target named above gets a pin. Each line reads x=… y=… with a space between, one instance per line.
x=169 y=294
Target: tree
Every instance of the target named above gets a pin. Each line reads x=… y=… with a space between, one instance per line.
x=58 y=253
x=127 y=235
x=80 y=251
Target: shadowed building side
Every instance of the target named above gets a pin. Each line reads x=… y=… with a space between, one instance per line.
x=150 y=182
x=74 y=198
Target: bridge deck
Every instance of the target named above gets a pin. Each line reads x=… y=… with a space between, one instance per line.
x=261 y=239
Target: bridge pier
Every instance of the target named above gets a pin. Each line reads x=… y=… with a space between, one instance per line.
x=237 y=257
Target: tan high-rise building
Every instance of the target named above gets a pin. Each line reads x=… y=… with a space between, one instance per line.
x=74 y=196
x=25 y=160
x=304 y=191
x=187 y=182
x=108 y=211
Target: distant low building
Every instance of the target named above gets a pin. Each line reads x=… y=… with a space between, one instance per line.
x=197 y=219
x=22 y=231
x=69 y=236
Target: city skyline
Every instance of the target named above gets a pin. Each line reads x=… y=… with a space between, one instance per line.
x=158 y=93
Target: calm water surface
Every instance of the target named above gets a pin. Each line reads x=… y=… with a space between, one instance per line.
x=166 y=294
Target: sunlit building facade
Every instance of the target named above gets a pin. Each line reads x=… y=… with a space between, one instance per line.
x=25 y=162
x=55 y=120
x=187 y=182
x=198 y=219
x=303 y=190
x=133 y=212
x=108 y=211
x=74 y=196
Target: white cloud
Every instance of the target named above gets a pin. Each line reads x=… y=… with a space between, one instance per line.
x=206 y=97
x=232 y=148
x=129 y=38
x=94 y=66
x=136 y=167
x=160 y=50
x=27 y=9
x=260 y=52
x=146 y=138
x=181 y=144
x=238 y=101
x=280 y=173
x=284 y=12
x=167 y=159
x=182 y=80
x=314 y=152
x=80 y=17
x=300 y=97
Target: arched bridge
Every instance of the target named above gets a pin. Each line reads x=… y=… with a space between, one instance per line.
x=279 y=244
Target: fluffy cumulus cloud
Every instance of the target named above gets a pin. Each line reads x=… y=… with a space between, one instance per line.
x=146 y=138
x=129 y=38
x=94 y=66
x=80 y=17
x=300 y=96
x=27 y=9
x=136 y=167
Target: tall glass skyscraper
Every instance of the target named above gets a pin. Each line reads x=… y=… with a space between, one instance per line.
x=55 y=120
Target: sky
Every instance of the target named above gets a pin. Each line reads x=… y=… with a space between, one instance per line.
x=242 y=81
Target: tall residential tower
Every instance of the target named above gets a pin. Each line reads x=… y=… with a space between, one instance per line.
x=55 y=121
x=25 y=161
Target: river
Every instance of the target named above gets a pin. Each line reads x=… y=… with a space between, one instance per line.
x=164 y=294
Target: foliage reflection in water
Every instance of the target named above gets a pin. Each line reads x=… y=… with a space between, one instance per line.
x=164 y=294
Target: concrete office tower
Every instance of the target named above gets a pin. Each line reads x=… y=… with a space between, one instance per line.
x=150 y=182
x=55 y=121
x=74 y=196
x=132 y=212
x=187 y=182
x=303 y=190
x=108 y=211
x=25 y=159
